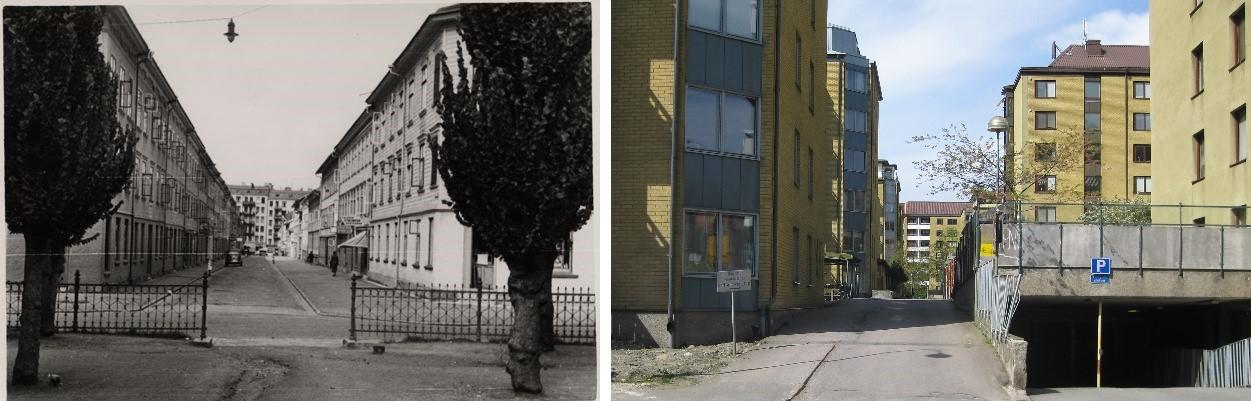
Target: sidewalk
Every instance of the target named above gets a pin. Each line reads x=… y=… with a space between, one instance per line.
x=328 y=295
x=105 y=368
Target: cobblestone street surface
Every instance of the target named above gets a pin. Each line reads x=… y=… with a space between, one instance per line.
x=278 y=334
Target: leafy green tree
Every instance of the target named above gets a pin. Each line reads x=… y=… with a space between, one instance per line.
x=977 y=165
x=1118 y=211
x=65 y=154
x=516 y=151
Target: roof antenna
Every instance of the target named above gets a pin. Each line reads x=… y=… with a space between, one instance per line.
x=1054 y=50
x=1084 y=38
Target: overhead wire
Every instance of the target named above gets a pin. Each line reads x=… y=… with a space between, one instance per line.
x=201 y=19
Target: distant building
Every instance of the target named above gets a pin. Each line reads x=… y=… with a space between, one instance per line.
x=264 y=210
x=1093 y=100
x=892 y=214
x=856 y=105
x=1198 y=63
x=931 y=225
x=177 y=211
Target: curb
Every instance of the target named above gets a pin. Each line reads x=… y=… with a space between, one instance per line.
x=308 y=305
x=800 y=388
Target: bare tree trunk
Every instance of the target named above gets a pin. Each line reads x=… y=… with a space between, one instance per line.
x=48 y=324
x=547 y=311
x=38 y=268
x=525 y=283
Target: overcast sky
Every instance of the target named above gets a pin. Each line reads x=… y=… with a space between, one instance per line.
x=270 y=106
x=944 y=62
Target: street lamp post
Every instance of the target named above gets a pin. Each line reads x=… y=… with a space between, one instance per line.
x=999 y=125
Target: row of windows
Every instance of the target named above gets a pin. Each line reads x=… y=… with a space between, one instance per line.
x=1238 y=35
x=1047 y=89
x=1092 y=121
x=925 y=220
x=1239 y=135
x=1091 y=184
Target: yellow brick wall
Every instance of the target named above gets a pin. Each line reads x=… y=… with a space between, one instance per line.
x=642 y=117
x=1117 y=137
x=1176 y=28
x=809 y=118
x=834 y=164
x=873 y=242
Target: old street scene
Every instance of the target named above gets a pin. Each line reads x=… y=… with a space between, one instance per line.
x=299 y=202
x=806 y=206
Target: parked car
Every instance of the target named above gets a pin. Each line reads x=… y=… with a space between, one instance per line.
x=234 y=258
x=262 y=252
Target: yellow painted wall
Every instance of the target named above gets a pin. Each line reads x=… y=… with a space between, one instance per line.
x=834 y=164
x=643 y=111
x=1177 y=27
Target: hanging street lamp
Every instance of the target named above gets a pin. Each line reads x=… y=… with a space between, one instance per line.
x=230 y=31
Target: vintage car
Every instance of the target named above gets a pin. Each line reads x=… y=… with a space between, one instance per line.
x=234 y=258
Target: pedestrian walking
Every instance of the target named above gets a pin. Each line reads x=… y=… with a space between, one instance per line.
x=334 y=264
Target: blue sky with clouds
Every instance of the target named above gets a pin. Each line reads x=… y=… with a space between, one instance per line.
x=944 y=62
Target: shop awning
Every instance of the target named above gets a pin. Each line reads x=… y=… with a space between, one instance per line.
x=361 y=240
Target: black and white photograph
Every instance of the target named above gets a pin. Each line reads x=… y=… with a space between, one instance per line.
x=356 y=201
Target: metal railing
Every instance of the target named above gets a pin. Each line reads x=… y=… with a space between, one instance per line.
x=139 y=309
x=455 y=312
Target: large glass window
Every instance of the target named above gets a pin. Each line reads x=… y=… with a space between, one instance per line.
x=1092 y=121
x=718 y=121
x=716 y=241
x=1045 y=89
x=1044 y=120
x=1142 y=121
x=1142 y=90
x=734 y=17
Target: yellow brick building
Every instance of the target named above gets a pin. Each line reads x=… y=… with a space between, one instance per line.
x=721 y=162
x=1080 y=130
x=1198 y=63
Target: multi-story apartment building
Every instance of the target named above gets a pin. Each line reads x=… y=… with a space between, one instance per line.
x=1198 y=62
x=932 y=224
x=380 y=183
x=889 y=188
x=177 y=210
x=330 y=232
x=856 y=106
x=721 y=152
x=263 y=210
x=1081 y=127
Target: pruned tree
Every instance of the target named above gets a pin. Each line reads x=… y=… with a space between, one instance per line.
x=978 y=167
x=1118 y=211
x=516 y=151
x=65 y=154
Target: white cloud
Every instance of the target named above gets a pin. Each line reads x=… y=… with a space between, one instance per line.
x=1112 y=27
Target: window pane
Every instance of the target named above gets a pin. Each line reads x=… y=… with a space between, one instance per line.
x=738 y=124
x=740 y=18
x=1240 y=125
x=1092 y=121
x=1092 y=89
x=738 y=244
x=705 y=14
x=700 y=243
x=701 y=119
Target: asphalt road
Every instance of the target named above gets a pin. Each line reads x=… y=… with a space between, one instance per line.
x=859 y=349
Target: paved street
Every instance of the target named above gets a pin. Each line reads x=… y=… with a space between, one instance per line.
x=860 y=349
x=278 y=335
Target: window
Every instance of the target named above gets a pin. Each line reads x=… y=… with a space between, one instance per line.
x=1239 y=216
x=1196 y=56
x=1142 y=90
x=1198 y=156
x=857 y=121
x=925 y=232
x=1241 y=141
x=717 y=241
x=795 y=161
x=1239 y=27
x=812 y=81
x=951 y=222
x=564 y=263
x=1200 y=222
x=925 y=243
x=795 y=256
x=1045 y=184
x=1045 y=120
x=720 y=122
x=734 y=17
x=811 y=184
x=1045 y=89
x=1044 y=151
x=1142 y=185
x=855 y=161
x=799 y=55
x=912 y=232
x=1093 y=184
x=1142 y=121
x=430 y=245
x=1045 y=214
x=857 y=81
x=1094 y=153
x=1091 y=121
x=1142 y=153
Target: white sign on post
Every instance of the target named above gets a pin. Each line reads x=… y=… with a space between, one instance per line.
x=732 y=281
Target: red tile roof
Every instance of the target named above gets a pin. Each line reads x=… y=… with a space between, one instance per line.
x=1106 y=56
x=926 y=208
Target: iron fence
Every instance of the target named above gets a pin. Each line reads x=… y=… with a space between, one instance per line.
x=453 y=312
x=139 y=309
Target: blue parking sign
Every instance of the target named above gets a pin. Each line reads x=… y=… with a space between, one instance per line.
x=1100 y=266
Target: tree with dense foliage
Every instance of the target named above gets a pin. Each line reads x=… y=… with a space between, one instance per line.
x=65 y=154
x=1118 y=211
x=515 y=155
x=977 y=165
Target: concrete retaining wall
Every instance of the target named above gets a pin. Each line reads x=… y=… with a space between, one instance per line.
x=1151 y=247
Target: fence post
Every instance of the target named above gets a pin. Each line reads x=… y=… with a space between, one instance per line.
x=1181 y=240
x=352 y=328
x=77 y=277
x=479 y=324
x=204 y=306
